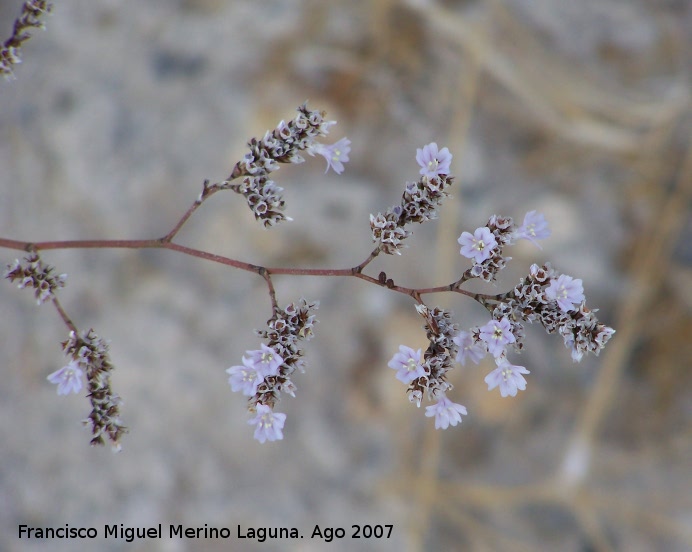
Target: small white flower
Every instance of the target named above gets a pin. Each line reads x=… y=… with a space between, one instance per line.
x=68 y=378
x=508 y=377
x=446 y=413
x=336 y=154
x=265 y=360
x=468 y=348
x=407 y=363
x=244 y=379
x=433 y=161
x=269 y=424
x=535 y=227
x=478 y=246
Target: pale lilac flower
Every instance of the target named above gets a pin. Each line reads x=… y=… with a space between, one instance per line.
x=535 y=227
x=265 y=360
x=508 y=377
x=432 y=161
x=407 y=363
x=244 y=378
x=68 y=378
x=566 y=291
x=497 y=334
x=269 y=424
x=479 y=245
x=446 y=412
x=468 y=348
x=336 y=154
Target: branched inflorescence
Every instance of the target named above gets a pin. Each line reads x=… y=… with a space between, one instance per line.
x=87 y=352
x=557 y=301
x=545 y=296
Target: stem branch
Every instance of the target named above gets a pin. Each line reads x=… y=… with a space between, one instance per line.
x=265 y=272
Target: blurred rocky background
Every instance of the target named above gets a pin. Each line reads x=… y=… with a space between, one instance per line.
x=581 y=110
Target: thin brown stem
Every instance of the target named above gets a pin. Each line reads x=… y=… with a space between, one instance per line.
x=164 y=243
x=66 y=319
x=367 y=261
x=207 y=191
x=272 y=292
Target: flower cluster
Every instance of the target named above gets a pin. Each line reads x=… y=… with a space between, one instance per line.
x=426 y=373
x=282 y=145
x=486 y=244
x=388 y=230
x=30 y=18
x=89 y=355
x=557 y=302
x=34 y=274
x=267 y=371
x=494 y=338
x=419 y=201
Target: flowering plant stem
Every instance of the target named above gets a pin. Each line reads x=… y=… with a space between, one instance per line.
x=166 y=242
x=266 y=272
x=554 y=300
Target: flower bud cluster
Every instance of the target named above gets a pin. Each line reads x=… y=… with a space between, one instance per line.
x=437 y=359
x=267 y=371
x=427 y=374
x=32 y=10
x=282 y=145
x=388 y=230
x=34 y=274
x=89 y=353
x=485 y=245
x=284 y=333
x=553 y=299
x=419 y=202
x=557 y=302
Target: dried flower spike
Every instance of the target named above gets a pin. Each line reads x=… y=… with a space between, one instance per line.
x=29 y=18
x=32 y=273
x=282 y=145
x=90 y=352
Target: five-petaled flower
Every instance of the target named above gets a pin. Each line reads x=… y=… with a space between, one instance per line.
x=407 y=363
x=446 y=412
x=265 y=360
x=336 y=154
x=508 y=377
x=432 y=161
x=269 y=424
x=468 y=348
x=535 y=227
x=478 y=246
x=497 y=334
x=68 y=378
x=244 y=379
x=257 y=365
x=566 y=291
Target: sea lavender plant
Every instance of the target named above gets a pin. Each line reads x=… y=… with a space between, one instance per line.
x=554 y=300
